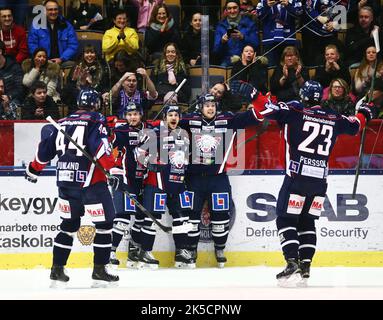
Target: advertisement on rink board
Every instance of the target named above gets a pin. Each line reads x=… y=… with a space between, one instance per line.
x=30 y=218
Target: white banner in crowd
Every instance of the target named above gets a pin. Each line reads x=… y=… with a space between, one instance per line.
x=29 y=219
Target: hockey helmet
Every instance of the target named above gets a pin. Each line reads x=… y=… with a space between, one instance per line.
x=171 y=108
x=131 y=106
x=88 y=99
x=311 y=92
x=205 y=99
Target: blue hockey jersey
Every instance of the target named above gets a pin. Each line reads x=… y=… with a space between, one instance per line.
x=74 y=170
x=211 y=138
x=309 y=135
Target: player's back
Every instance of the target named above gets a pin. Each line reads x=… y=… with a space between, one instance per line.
x=310 y=135
x=87 y=129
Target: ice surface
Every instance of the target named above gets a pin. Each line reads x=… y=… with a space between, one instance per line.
x=235 y=283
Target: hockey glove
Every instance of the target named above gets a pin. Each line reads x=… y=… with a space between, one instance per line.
x=116 y=183
x=243 y=89
x=31 y=174
x=368 y=110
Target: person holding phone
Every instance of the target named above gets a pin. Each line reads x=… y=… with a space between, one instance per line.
x=233 y=33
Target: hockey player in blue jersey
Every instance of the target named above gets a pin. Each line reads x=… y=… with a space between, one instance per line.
x=206 y=176
x=82 y=186
x=309 y=133
x=131 y=173
x=165 y=152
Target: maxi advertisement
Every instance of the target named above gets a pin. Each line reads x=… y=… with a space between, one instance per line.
x=29 y=217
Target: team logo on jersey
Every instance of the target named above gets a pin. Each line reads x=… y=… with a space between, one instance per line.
x=207 y=143
x=294 y=166
x=220 y=201
x=81 y=176
x=186 y=199
x=177 y=158
x=159 y=202
x=130 y=205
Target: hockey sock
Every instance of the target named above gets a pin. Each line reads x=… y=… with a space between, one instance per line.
x=288 y=236
x=135 y=230
x=102 y=244
x=120 y=227
x=307 y=238
x=62 y=247
x=193 y=235
x=220 y=231
x=180 y=239
x=148 y=233
x=64 y=240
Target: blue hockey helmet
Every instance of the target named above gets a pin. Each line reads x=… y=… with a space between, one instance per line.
x=171 y=108
x=311 y=92
x=131 y=106
x=88 y=98
x=205 y=99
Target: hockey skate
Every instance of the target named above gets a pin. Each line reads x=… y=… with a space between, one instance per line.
x=291 y=276
x=184 y=259
x=221 y=259
x=58 y=276
x=305 y=272
x=146 y=260
x=113 y=261
x=133 y=252
x=102 y=278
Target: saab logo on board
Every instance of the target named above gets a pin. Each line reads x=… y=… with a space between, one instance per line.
x=159 y=201
x=262 y=207
x=130 y=204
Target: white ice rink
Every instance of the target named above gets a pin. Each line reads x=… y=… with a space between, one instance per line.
x=239 y=283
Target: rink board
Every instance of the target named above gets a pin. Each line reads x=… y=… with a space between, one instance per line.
x=350 y=231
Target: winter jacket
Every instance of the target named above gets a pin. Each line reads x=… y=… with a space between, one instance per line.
x=255 y=74
x=279 y=21
x=15 y=41
x=29 y=108
x=111 y=44
x=234 y=47
x=49 y=75
x=67 y=40
x=12 y=74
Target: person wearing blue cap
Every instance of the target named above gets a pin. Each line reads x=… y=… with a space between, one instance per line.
x=165 y=153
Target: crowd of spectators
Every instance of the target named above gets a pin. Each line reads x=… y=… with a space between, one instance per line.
x=148 y=48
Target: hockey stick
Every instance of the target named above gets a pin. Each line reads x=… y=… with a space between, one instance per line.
x=177 y=229
x=173 y=94
x=363 y=138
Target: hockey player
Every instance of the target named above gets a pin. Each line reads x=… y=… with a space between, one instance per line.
x=131 y=174
x=206 y=177
x=309 y=133
x=82 y=187
x=165 y=152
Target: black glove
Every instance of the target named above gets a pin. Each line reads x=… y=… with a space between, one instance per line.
x=243 y=89
x=368 y=110
x=116 y=183
x=31 y=174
